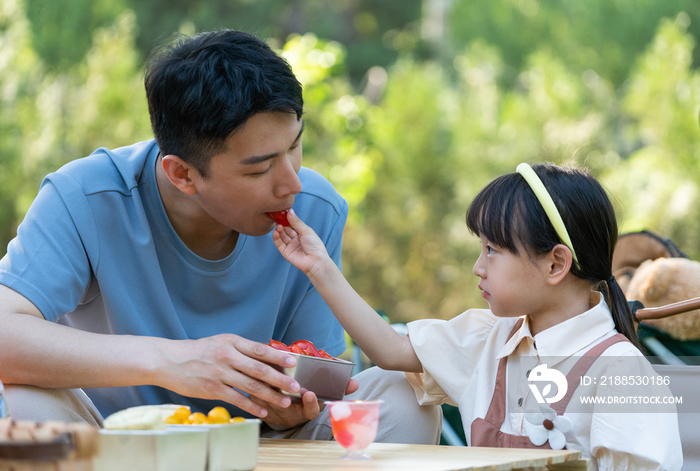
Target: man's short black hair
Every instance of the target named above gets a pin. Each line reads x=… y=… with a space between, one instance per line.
x=202 y=88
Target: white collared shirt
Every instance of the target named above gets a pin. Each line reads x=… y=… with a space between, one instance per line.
x=460 y=359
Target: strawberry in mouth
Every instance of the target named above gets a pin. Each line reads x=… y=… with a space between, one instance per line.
x=280 y=217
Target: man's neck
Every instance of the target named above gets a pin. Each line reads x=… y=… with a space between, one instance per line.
x=197 y=230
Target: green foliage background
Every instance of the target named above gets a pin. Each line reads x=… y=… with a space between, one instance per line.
x=409 y=112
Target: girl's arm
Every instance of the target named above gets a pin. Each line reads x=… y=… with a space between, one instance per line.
x=387 y=349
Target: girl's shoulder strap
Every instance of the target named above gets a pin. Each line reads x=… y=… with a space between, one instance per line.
x=582 y=366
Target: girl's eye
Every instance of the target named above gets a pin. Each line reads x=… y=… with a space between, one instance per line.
x=489 y=250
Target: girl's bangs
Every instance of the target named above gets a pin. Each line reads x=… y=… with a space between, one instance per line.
x=496 y=214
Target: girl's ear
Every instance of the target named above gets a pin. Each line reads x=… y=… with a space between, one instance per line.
x=179 y=173
x=559 y=262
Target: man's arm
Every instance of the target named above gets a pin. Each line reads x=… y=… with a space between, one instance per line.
x=49 y=355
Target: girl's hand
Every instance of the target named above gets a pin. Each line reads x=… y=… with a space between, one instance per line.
x=300 y=245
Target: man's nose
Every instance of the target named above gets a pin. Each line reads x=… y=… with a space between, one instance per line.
x=289 y=183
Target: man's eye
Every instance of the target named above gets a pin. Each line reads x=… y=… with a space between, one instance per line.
x=261 y=173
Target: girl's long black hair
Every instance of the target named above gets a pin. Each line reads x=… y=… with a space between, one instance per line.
x=507 y=212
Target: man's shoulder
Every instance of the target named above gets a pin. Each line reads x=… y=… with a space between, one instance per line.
x=315 y=186
x=109 y=169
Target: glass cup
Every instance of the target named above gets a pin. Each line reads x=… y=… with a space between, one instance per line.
x=354 y=426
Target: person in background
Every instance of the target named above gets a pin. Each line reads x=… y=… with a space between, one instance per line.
x=554 y=308
x=147 y=274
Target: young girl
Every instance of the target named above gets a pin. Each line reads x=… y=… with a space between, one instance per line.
x=547 y=238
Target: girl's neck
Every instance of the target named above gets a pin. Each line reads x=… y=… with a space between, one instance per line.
x=566 y=301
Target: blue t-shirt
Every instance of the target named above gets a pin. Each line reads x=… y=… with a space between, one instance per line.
x=97 y=252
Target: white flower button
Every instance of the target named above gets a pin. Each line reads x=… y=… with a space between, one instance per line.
x=548 y=426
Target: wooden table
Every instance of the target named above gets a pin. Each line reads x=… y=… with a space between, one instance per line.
x=292 y=455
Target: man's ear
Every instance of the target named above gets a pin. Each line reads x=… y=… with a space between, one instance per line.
x=179 y=173
x=558 y=263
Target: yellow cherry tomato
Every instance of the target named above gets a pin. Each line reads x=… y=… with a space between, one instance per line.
x=179 y=416
x=237 y=419
x=181 y=413
x=218 y=415
x=197 y=418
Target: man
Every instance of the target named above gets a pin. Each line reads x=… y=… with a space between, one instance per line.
x=155 y=268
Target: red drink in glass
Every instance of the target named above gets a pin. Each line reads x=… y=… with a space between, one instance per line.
x=354 y=425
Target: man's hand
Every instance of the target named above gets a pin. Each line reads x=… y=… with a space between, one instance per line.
x=225 y=366
x=300 y=410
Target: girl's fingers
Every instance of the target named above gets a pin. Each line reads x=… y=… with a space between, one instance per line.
x=286 y=236
x=296 y=224
x=281 y=238
x=277 y=240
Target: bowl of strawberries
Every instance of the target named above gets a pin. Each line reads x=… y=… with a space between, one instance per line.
x=316 y=370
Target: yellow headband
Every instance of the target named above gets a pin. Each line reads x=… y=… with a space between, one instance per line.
x=548 y=204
